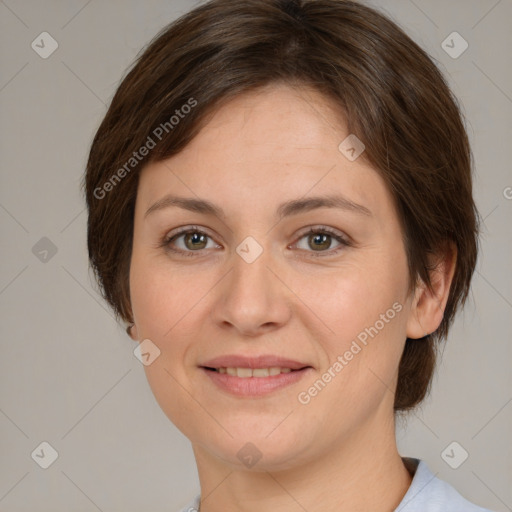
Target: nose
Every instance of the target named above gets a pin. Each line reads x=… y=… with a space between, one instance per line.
x=253 y=298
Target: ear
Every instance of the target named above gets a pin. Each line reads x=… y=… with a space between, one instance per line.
x=427 y=308
x=131 y=330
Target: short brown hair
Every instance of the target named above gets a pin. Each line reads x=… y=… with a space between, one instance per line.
x=394 y=97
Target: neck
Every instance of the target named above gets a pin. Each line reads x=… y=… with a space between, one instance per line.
x=362 y=472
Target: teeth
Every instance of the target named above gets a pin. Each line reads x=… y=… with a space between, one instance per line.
x=243 y=372
x=256 y=372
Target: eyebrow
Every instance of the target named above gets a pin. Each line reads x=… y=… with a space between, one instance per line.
x=286 y=209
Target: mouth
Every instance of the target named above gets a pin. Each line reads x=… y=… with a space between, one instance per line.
x=245 y=373
x=253 y=382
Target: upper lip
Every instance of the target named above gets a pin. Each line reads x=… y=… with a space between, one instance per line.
x=263 y=361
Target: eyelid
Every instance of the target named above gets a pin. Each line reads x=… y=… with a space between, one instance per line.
x=320 y=228
x=185 y=229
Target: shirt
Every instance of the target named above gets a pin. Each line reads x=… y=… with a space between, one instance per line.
x=427 y=493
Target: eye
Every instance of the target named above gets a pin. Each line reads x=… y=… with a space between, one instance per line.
x=320 y=239
x=192 y=240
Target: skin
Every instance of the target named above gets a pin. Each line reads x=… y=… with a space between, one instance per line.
x=259 y=150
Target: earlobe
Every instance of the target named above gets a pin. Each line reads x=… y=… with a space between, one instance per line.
x=427 y=309
x=131 y=330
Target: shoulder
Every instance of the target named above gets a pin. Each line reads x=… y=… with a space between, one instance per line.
x=428 y=493
x=193 y=506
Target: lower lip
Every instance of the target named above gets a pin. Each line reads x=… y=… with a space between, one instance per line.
x=254 y=386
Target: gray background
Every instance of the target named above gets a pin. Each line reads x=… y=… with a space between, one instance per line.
x=68 y=373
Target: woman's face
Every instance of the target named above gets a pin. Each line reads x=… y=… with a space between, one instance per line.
x=252 y=282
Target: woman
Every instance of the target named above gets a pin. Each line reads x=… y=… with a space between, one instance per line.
x=280 y=208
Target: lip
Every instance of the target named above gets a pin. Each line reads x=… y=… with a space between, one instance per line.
x=262 y=361
x=254 y=386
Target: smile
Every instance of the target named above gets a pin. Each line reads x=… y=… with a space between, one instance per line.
x=253 y=372
x=253 y=382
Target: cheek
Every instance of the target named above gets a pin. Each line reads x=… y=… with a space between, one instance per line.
x=362 y=305
x=160 y=295
x=162 y=303
x=354 y=296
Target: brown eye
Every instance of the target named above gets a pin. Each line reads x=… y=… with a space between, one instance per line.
x=319 y=240
x=195 y=240
x=188 y=242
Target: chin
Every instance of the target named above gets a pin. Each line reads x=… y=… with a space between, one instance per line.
x=274 y=452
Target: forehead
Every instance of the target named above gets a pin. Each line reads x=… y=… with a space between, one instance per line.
x=265 y=146
x=276 y=121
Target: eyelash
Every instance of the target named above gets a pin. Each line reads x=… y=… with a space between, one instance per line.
x=167 y=240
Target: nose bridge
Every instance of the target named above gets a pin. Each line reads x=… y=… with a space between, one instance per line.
x=251 y=296
x=250 y=275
